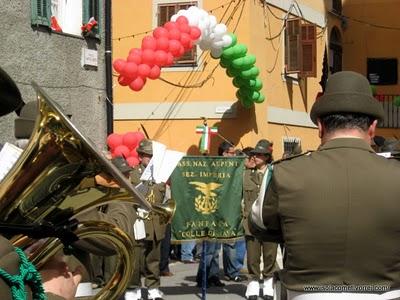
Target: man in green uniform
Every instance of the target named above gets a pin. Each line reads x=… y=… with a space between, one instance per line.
x=154 y=227
x=336 y=209
x=252 y=179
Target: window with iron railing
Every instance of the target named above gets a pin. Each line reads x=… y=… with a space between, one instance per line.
x=392 y=112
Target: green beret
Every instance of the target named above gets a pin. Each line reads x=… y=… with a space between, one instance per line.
x=347 y=92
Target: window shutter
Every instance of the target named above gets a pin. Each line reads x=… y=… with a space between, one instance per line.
x=91 y=8
x=40 y=12
x=308 y=50
x=292 y=45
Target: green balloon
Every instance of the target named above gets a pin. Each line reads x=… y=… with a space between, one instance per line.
x=255 y=95
x=225 y=63
x=260 y=98
x=243 y=63
x=237 y=82
x=258 y=84
x=251 y=73
x=228 y=53
x=240 y=50
x=246 y=103
x=250 y=59
x=396 y=101
x=373 y=89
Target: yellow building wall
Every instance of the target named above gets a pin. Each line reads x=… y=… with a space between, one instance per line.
x=253 y=23
x=362 y=41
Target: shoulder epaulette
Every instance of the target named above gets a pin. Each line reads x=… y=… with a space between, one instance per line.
x=292 y=157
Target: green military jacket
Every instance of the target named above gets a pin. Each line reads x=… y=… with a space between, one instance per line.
x=155 y=228
x=251 y=188
x=337 y=210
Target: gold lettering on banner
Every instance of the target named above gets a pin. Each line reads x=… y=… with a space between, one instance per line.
x=207 y=202
x=215 y=175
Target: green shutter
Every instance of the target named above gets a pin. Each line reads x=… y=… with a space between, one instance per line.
x=41 y=12
x=91 y=8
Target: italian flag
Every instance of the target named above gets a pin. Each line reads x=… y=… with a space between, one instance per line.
x=206 y=133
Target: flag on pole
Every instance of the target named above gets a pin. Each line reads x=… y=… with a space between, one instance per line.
x=206 y=134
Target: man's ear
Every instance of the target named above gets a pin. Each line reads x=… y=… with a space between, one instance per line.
x=372 y=129
x=320 y=128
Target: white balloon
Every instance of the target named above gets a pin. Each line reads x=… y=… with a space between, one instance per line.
x=220 y=29
x=174 y=17
x=216 y=52
x=218 y=44
x=213 y=21
x=227 y=39
x=212 y=36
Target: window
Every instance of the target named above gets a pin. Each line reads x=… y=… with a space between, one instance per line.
x=337 y=6
x=65 y=16
x=164 y=14
x=291 y=145
x=382 y=71
x=300 y=48
x=335 y=51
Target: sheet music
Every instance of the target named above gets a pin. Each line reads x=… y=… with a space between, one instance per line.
x=9 y=154
x=162 y=163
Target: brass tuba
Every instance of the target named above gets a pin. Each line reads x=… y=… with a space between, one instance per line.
x=39 y=195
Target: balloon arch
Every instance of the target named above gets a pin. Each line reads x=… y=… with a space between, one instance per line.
x=187 y=28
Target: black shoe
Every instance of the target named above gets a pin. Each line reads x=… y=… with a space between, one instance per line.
x=252 y=297
x=239 y=278
x=266 y=297
x=214 y=281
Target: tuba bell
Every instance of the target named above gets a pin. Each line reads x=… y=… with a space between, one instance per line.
x=39 y=196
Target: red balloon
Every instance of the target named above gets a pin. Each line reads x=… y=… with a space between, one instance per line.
x=135 y=58
x=148 y=57
x=140 y=136
x=182 y=20
x=114 y=140
x=119 y=65
x=129 y=139
x=130 y=70
x=174 y=34
x=143 y=70
x=135 y=51
x=170 y=59
x=123 y=80
x=174 y=47
x=170 y=25
x=181 y=51
x=162 y=43
x=155 y=72
x=160 y=32
x=186 y=40
x=137 y=84
x=149 y=42
x=132 y=161
x=133 y=151
x=121 y=150
x=184 y=28
x=195 y=32
x=160 y=58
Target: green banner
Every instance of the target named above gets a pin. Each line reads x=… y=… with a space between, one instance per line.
x=208 y=195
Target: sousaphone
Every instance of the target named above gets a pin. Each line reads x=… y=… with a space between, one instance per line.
x=40 y=195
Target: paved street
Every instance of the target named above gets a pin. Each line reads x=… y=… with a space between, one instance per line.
x=183 y=285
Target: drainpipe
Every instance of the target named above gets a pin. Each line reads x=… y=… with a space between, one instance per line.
x=108 y=61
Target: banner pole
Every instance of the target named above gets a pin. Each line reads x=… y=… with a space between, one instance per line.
x=204 y=275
